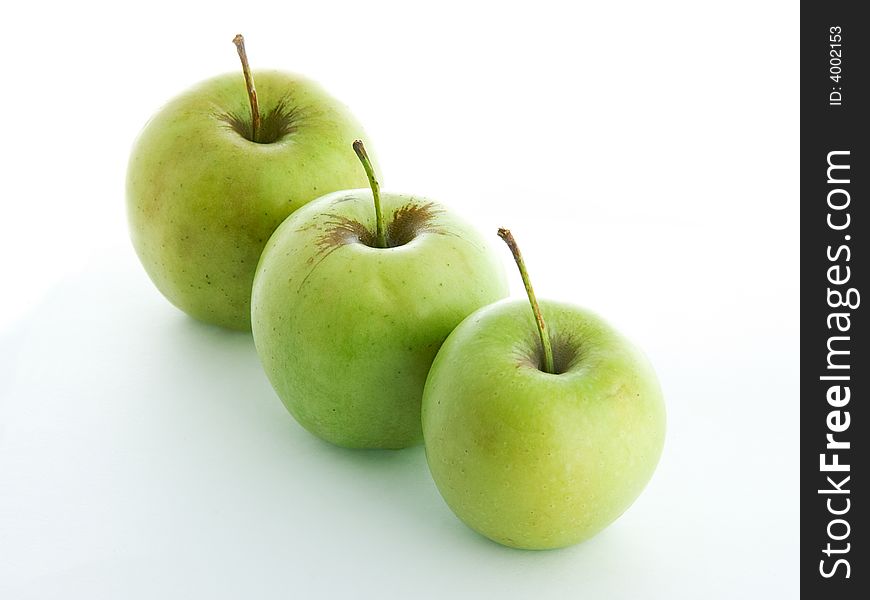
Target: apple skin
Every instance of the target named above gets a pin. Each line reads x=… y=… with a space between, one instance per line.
x=347 y=332
x=536 y=460
x=202 y=199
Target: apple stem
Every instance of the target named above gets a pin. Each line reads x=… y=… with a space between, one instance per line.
x=239 y=41
x=360 y=150
x=508 y=238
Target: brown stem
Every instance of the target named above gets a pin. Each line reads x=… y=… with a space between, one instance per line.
x=508 y=238
x=380 y=232
x=239 y=41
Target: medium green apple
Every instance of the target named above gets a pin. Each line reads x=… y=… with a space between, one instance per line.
x=206 y=188
x=349 y=309
x=533 y=457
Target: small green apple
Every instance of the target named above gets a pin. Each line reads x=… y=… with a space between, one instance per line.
x=539 y=437
x=349 y=309
x=218 y=169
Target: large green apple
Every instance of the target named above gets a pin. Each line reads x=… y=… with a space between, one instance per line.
x=535 y=459
x=349 y=309
x=203 y=197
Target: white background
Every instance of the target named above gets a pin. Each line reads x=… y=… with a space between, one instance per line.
x=645 y=155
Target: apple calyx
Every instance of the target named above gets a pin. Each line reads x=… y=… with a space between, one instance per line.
x=380 y=232
x=508 y=238
x=407 y=223
x=409 y=220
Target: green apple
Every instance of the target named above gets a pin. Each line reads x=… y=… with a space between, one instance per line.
x=216 y=171
x=539 y=437
x=349 y=308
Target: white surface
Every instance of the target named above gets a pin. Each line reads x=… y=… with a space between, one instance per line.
x=646 y=157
